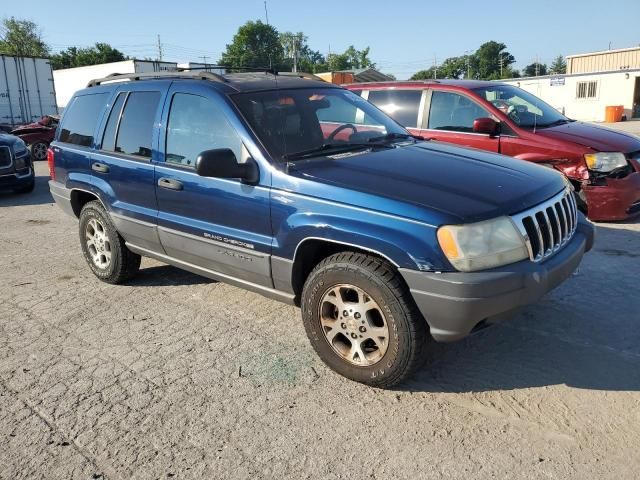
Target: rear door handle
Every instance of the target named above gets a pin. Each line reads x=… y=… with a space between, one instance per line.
x=99 y=167
x=169 y=183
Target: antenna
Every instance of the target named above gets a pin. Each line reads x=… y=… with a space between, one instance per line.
x=266 y=11
x=159 y=49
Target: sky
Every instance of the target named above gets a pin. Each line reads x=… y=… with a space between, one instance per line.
x=404 y=36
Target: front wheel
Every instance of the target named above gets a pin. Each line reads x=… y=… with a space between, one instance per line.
x=39 y=150
x=362 y=321
x=104 y=249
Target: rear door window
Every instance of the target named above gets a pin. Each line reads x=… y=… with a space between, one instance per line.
x=81 y=118
x=453 y=112
x=135 y=133
x=401 y=105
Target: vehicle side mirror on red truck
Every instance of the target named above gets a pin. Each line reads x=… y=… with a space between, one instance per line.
x=485 y=125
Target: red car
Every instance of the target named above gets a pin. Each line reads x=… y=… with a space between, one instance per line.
x=602 y=164
x=38 y=135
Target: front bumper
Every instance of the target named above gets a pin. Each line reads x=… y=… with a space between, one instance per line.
x=618 y=200
x=453 y=303
x=17 y=180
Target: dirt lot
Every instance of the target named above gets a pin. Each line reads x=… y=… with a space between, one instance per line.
x=178 y=376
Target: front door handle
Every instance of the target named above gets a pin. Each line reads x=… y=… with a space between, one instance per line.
x=169 y=183
x=99 y=167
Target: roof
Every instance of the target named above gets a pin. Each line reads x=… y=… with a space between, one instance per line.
x=367 y=75
x=246 y=82
x=238 y=82
x=604 y=52
x=420 y=83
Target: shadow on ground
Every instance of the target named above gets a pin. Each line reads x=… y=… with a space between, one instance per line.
x=166 y=275
x=39 y=196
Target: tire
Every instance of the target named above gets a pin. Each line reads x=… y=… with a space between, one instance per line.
x=39 y=151
x=27 y=188
x=380 y=298
x=103 y=248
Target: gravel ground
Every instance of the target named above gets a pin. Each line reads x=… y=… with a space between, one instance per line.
x=178 y=376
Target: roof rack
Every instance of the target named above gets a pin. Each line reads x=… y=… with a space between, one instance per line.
x=195 y=75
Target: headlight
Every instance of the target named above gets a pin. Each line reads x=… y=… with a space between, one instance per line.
x=482 y=245
x=604 y=162
x=20 y=148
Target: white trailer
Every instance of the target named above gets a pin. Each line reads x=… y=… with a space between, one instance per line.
x=70 y=80
x=27 y=91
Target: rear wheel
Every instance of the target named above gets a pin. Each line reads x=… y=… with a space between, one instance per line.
x=104 y=249
x=362 y=321
x=39 y=151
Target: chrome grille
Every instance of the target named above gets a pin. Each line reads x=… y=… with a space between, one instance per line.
x=549 y=226
x=5 y=157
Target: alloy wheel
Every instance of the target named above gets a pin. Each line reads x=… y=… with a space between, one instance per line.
x=354 y=325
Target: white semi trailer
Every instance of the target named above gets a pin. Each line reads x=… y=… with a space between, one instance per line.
x=27 y=91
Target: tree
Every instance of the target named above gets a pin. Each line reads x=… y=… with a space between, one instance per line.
x=79 y=57
x=535 y=69
x=307 y=60
x=21 y=38
x=453 y=67
x=255 y=45
x=559 y=66
x=491 y=61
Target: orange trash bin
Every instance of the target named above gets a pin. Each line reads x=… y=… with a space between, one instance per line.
x=613 y=113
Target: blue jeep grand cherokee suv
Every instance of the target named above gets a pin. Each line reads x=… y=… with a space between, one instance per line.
x=304 y=192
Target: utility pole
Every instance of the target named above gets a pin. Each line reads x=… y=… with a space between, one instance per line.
x=159 y=49
x=501 y=63
x=294 y=51
x=435 y=67
x=266 y=12
x=204 y=60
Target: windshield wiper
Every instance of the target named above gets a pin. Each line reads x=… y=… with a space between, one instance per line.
x=395 y=136
x=334 y=147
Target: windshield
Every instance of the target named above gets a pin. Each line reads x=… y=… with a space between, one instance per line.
x=527 y=110
x=308 y=119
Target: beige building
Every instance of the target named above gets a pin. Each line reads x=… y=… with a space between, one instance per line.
x=604 y=61
x=593 y=82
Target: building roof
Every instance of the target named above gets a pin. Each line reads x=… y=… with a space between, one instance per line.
x=367 y=75
x=604 y=52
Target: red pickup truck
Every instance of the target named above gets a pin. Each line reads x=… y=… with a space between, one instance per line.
x=602 y=164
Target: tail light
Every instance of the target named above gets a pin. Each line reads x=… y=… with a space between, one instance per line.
x=52 y=168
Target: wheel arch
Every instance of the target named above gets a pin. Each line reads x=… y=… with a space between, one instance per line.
x=79 y=198
x=312 y=250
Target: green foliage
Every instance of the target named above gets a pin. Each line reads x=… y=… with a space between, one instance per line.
x=559 y=65
x=308 y=60
x=79 y=57
x=534 y=70
x=483 y=64
x=255 y=45
x=488 y=59
x=21 y=38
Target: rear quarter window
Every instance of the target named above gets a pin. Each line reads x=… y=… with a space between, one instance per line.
x=81 y=118
x=401 y=105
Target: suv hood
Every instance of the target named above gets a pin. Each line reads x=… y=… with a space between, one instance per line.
x=468 y=184
x=598 y=138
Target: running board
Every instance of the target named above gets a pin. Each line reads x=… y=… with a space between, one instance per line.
x=288 y=298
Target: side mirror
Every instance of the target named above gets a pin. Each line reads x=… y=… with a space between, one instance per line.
x=485 y=125
x=222 y=163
